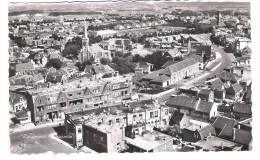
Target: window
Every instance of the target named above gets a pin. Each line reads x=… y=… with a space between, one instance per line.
x=156 y=113
x=40 y=108
x=70 y=95
x=110 y=122
x=140 y=116
x=79 y=130
x=117 y=120
x=166 y=111
x=63 y=104
x=134 y=117
x=151 y=114
x=79 y=93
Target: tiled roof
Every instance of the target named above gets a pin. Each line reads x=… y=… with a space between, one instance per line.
x=204 y=107
x=204 y=92
x=182 y=101
x=242 y=108
x=99 y=69
x=176 y=117
x=161 y=78
x=224 y=126
x=206 y=131
x=237 y=87
x=242 y=136
x=216 y=84
x=227 y=76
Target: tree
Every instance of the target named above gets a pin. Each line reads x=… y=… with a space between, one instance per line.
x=71 y=51
x=158 y=59
x=104 y=61
x=55 y=63
x=137 y=58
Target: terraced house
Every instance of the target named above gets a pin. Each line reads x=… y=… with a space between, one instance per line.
x=51 y=103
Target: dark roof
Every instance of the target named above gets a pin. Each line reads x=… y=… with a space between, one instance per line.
x=182 y=101
x=242 y=136
x=204 y=107
x=227 y=76
x=204 y=92
x=176 y=118
x=21 y=114
x=168 y=63
x=206 y=131
x=161 y=78
x=99 y=69
x=236 y=88
x=224 y=125
x=216 y=84
x=55 y=76
x=242 y=108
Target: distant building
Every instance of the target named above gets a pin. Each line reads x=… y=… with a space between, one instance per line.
x=175 y=72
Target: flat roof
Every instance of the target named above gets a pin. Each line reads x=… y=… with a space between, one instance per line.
x=149 y=140
x=213 y=143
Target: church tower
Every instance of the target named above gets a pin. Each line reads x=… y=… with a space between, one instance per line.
x=219 y=18
x=85 y=52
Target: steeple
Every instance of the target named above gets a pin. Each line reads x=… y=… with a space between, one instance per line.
x=85 y=53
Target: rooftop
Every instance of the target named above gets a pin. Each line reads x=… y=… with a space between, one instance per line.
x=213 y=143
x=149 y=140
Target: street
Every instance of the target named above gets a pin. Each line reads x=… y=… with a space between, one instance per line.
x=37 y=141
x=225 y=61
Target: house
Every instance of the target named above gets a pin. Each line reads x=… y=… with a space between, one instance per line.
x=21 y=68
x=83 y=94
x=224 y=127
x=234 y=92
x=98 y=52
x=242 y=137
x=192 y=107
x=242 y=111
x=206 y=95
x=175 y=72
x=143 y=68
x=178 y=119
x=100 y=71
x=248 y=95
x=226 y=76
x=174 y=52
x=218 y=88
x=18 y=102
x=23 y=116
x=57 y=76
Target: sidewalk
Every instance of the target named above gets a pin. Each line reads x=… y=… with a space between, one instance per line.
x=32 y=126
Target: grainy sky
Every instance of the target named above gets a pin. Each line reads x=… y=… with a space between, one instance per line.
x=124 y=0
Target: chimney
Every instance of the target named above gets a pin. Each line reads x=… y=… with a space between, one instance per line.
x=197 y=103
x=234 y=135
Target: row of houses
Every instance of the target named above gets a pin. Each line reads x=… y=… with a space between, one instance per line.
x=127 y=128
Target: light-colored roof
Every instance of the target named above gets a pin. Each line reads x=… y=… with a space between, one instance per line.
x=149 y=140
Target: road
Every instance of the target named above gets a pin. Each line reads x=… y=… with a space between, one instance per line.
x=225 y=61
x=37 y=141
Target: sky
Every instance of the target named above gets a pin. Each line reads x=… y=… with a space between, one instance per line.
x=124 y=0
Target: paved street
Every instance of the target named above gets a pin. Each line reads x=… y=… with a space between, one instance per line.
x=37 y=141
x=224 y=62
